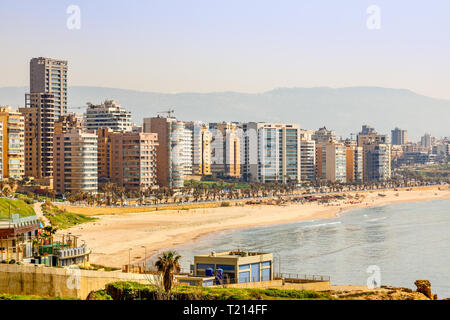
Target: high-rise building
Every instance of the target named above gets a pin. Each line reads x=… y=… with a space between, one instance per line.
x=308 y=156
x=171 y=154
x=427 y=141
x=376 y=155
x=39 y=114
x=331 y=161
x=12 y=149
x=399 y=137
x=377 y=162
x=103 y=156
x=130 y=158
x=107 y=115
x=75 y=161
x=201 y=148
x=186 y=156
x=354 y=162
x=324 y=135
x=272 y=152
x=225 y=150
x=50 y=76
x=369 y=135
x=66 y=122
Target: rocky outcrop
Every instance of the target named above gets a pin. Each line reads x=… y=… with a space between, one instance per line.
x=423 y=292
x=424 y=287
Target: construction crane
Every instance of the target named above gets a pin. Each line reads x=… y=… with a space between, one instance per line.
x=169 y=112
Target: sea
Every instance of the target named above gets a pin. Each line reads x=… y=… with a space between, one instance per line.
x=390 y=245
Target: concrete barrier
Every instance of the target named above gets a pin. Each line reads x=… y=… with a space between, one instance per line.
x=278 y=284
x=61 y=282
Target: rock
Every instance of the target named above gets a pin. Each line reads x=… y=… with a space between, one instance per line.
x=424 y=287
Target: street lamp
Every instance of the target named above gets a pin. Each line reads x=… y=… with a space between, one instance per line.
x=145 y=258
x=279 y=263
x=129 y=260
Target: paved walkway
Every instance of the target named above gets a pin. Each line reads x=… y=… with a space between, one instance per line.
x=37 y=208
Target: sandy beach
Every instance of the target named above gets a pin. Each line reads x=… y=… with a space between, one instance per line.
x=111 y=237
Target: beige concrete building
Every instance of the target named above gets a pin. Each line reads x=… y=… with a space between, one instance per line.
x=50 y=76
x=354 y=162
x=324 y=135
x=225 y=150
x=12 y=147
x=170 y=152
x=66 y=122
x=331 y=161
x=75 y=161
x=130 y=159
x=308 y=156
x=201 y=148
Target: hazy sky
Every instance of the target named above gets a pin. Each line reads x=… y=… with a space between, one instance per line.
x=245 y=45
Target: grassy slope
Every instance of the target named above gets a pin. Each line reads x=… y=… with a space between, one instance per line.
x=20 y=297
x=63 y=219
x=17 y=207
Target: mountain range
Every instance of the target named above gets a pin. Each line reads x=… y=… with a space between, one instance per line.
x=341 y=109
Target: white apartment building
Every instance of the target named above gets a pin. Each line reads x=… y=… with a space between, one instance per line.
x=107 y=115
x=75 y=161
x=272 y=152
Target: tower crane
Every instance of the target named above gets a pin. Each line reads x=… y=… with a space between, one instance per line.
x=169 y=112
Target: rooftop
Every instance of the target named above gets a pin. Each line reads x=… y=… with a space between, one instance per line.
x=233 y=254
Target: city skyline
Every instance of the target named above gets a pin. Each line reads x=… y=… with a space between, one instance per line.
x=244 y=47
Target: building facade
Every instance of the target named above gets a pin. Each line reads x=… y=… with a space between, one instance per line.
x=201 y=148
x=376 y=155
x=354 y=162
x=171 y=154
x=399 y=137
x=377 y=162
x=272 y=152
x=39 y=115
x=308 y=156
x=75 y=161
x=225 y=150
x=324 y=135
x=12 y=153
x=130 y=158
x=331 y=161
x=235 y=266
x=107 y=115
x=50 y=76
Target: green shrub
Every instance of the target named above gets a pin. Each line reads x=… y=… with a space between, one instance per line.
x=135 y=291
x=99 y=295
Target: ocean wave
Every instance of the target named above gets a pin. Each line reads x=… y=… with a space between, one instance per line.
x=323 y=224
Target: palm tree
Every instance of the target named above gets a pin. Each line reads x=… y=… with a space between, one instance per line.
x=6 y=191
x=167 y=264
x=12 y=184
x=2 y=185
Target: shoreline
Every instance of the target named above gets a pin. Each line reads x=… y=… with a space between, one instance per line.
x=111 y=237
